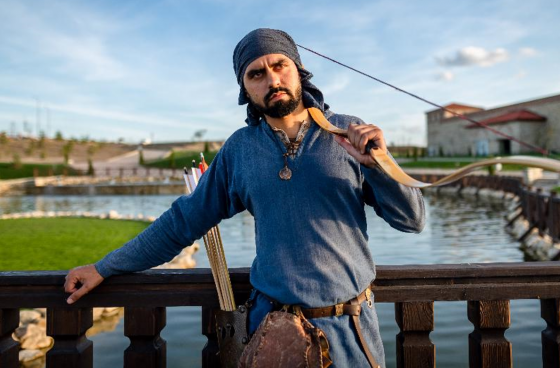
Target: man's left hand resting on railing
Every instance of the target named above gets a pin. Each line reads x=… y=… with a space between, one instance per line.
x=80 y=281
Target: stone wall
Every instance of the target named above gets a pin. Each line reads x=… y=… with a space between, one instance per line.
x=451 y=136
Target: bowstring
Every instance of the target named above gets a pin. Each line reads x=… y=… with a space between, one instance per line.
x=461 y=116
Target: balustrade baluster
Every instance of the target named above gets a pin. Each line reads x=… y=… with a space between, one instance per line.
x=143 y=327
x=550 y=337
x=71 y=348
x=414 y=347
x=554 y=216
x=210 y=356
x=9 y=321
x=488 y=348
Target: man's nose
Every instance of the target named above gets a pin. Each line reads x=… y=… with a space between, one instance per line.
x=273 y=80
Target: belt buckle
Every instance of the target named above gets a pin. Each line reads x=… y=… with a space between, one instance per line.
x=339 y=310
x=368 y=298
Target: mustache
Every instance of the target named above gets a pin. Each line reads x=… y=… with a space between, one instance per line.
x=276 y=90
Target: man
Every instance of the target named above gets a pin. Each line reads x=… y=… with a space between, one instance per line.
x=306 y=190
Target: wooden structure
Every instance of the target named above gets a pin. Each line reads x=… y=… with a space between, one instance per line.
x=541 y=210
x=486 y=288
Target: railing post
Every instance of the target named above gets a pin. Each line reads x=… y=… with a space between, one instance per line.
x=414 y=347
x=541 y=211
x=71 y=348
x=143 y=327
x=554 y=216
x=210 y=353
x=488 y=348
x=9 y=349
x=550 y=337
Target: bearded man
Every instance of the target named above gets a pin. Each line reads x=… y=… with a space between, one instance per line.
x=306 y=190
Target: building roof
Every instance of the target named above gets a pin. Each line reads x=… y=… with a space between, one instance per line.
x=454 y=105
x=457 y=106
x=517 y=115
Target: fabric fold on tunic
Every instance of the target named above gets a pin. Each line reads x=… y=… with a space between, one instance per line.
x=310 y=231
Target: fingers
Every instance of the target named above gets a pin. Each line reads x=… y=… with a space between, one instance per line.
x=360 y=135
x=78 y=294
x=80 y=281
x=366 y=160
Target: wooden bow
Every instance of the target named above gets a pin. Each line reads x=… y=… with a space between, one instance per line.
x=392 y=168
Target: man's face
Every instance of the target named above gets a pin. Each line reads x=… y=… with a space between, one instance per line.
x=273 y=85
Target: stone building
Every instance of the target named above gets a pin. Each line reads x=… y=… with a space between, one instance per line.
x=536 y=122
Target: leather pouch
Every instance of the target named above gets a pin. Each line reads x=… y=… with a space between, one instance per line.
x=286 y=339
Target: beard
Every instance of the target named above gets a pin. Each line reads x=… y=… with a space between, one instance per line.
x=280 y=108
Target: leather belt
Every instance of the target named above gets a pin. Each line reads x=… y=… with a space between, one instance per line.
x=351 y=308
x=337 y=310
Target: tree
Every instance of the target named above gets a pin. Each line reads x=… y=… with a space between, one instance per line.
x=16 y=161
x=199 y=134
x=66 y=150
x=31 y=148
x=92 y=148
x=172 y=159
x=42 y=137
x=90 y=170
x=58 y=136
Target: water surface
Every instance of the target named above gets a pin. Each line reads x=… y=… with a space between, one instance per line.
x=457 y=231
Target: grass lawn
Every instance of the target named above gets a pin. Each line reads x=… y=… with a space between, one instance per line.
x=8 y=171
x=451 y=165
x=60 y=243
x=182 y=159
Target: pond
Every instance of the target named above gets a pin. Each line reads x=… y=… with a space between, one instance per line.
x=458 y=230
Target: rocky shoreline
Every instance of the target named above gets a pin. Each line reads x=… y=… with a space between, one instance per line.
x=535 y=246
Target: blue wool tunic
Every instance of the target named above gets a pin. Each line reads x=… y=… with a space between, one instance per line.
x=311 y=238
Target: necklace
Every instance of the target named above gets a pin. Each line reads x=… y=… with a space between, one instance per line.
x=291 y=150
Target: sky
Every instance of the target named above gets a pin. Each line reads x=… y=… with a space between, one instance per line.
x=162 y=70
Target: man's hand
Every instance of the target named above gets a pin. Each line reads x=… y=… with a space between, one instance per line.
x=86 y=276
x=358 y=138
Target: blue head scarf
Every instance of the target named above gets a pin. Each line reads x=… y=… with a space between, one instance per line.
x=264 y=41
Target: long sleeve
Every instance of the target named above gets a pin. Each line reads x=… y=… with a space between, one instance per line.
x=188 y=219
x=400 y=206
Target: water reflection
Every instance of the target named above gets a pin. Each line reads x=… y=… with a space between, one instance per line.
x=457 y=231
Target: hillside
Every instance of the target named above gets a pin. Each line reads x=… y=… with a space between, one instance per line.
x=51 y=151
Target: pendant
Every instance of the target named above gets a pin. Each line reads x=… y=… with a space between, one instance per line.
x=285 y=173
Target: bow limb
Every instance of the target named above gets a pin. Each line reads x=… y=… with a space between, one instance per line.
x=393 y=170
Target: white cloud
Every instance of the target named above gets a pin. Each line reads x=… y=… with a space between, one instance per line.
x=473 y=55
x=338 y=83
x=445 y=76
x=527 y=51
x=101 y=113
